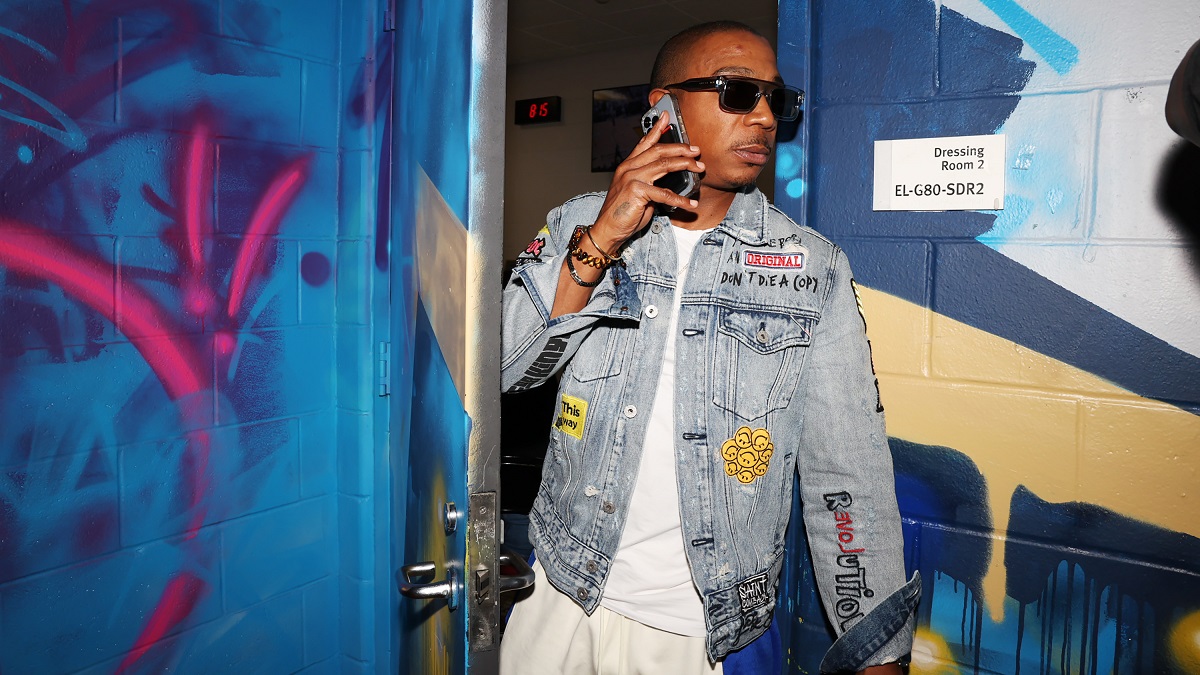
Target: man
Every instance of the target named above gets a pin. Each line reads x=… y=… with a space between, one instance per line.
x=709 y=347
x=1183 y=97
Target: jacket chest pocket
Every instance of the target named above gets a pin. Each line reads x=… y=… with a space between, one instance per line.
x=759 y=355
x=601 y=354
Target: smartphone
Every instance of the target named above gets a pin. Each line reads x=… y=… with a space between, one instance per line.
x=684 y=183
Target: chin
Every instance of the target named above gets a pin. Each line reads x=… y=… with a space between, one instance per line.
x=742 y=181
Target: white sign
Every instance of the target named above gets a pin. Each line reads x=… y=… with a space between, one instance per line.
x=955 y=173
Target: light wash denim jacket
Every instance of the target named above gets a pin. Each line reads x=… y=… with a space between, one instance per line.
x=774 y=375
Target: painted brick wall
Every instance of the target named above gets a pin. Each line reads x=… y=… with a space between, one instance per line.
x=1040 y=365
x=187 y=266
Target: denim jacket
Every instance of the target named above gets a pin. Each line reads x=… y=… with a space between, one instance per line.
x=774 y=375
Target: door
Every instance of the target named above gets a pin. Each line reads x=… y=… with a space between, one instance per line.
x=446 y=175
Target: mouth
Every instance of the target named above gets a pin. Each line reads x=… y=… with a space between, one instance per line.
x=753 y=153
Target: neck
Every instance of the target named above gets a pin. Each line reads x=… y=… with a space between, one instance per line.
x=713 y=205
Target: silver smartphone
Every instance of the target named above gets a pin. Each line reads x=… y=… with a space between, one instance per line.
x=683 y=183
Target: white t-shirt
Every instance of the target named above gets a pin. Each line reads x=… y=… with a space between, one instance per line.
x=649 y=580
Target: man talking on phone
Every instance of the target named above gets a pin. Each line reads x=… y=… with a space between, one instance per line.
x=709 y=348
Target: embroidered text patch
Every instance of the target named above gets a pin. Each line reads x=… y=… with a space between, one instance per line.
x=792 y=260
x=753 y=593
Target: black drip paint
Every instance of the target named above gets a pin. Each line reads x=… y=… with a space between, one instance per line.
x=1120 y=602
x=1020 y=636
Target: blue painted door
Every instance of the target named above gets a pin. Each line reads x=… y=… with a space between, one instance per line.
x=446 y=171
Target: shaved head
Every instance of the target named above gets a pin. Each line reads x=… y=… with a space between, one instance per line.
x=671 y=63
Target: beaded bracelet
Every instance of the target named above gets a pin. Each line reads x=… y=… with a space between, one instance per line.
x=574 y=251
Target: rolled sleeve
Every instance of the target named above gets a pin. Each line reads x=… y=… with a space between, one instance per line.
x=534 y=346
x=848 y=488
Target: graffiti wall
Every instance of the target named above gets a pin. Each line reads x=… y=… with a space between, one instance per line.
x=187 y=239
x=1040 y=364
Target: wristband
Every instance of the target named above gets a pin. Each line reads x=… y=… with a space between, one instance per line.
x=579 y=280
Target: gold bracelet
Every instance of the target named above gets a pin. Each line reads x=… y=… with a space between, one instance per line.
x=574 y=251
x=610 y=258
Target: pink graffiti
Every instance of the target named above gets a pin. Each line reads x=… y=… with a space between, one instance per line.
x=196 y=217
x=38 y=254
x=178 y=600
x=263 y=224
x=159 y=337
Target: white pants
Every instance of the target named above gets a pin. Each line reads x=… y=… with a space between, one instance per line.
x=548 y=634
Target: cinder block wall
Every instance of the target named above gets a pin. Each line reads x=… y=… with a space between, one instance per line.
x=1039 y=365
x=187 y=246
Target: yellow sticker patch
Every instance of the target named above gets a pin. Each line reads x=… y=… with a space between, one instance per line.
x=572 y=415
x=748 y=454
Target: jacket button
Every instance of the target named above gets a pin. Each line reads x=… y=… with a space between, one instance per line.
x=581 y=593
x=763 y=337
x=592 y=566
x=609 y=507
x=630 y=411
x=651 y=311
x=624 y=308
x=656 y=227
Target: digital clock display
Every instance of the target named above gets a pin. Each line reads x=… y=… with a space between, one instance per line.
x=539 y=110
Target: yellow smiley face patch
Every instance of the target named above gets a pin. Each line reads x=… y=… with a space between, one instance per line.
x=748 y=454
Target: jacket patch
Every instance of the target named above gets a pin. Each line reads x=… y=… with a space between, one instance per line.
x=792 y=260
x=748 y=454
x=534 y=249
x=753 y=593
x=572 y=415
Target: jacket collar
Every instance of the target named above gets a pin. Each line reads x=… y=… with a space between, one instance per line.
x=746 y=219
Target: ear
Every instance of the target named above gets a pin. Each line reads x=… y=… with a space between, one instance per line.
x=655 y=96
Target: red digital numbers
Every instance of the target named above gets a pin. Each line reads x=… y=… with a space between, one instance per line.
x=538 y=110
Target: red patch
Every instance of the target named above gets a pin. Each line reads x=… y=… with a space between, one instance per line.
x=535 y=247
x=775 y=261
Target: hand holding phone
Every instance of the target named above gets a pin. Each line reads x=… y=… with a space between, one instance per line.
x=684 y=183
x=634 y=193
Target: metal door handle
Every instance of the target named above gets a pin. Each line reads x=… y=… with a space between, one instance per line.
x=420 y=570
x=448 y=589
x=524 y=577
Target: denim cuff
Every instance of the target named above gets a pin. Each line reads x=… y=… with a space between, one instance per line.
x=854 y=650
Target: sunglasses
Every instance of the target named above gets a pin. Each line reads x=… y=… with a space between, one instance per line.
x=739 y=95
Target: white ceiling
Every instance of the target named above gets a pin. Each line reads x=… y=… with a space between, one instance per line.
x=549 y=30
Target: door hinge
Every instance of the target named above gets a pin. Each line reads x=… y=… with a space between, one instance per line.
x=389 y=16
x=385 y=368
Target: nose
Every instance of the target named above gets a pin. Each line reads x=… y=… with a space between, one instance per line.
x=761 y=114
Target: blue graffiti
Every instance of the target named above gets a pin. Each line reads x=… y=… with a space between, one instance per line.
x=32 y=44
x=69 y=135
x=1057 y=50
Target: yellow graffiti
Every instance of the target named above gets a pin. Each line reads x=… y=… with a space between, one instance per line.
x=931 y=655
x=1185 y=643
x=748 y=454
x=1027 y=419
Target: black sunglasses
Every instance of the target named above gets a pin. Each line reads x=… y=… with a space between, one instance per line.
x=739 y=95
